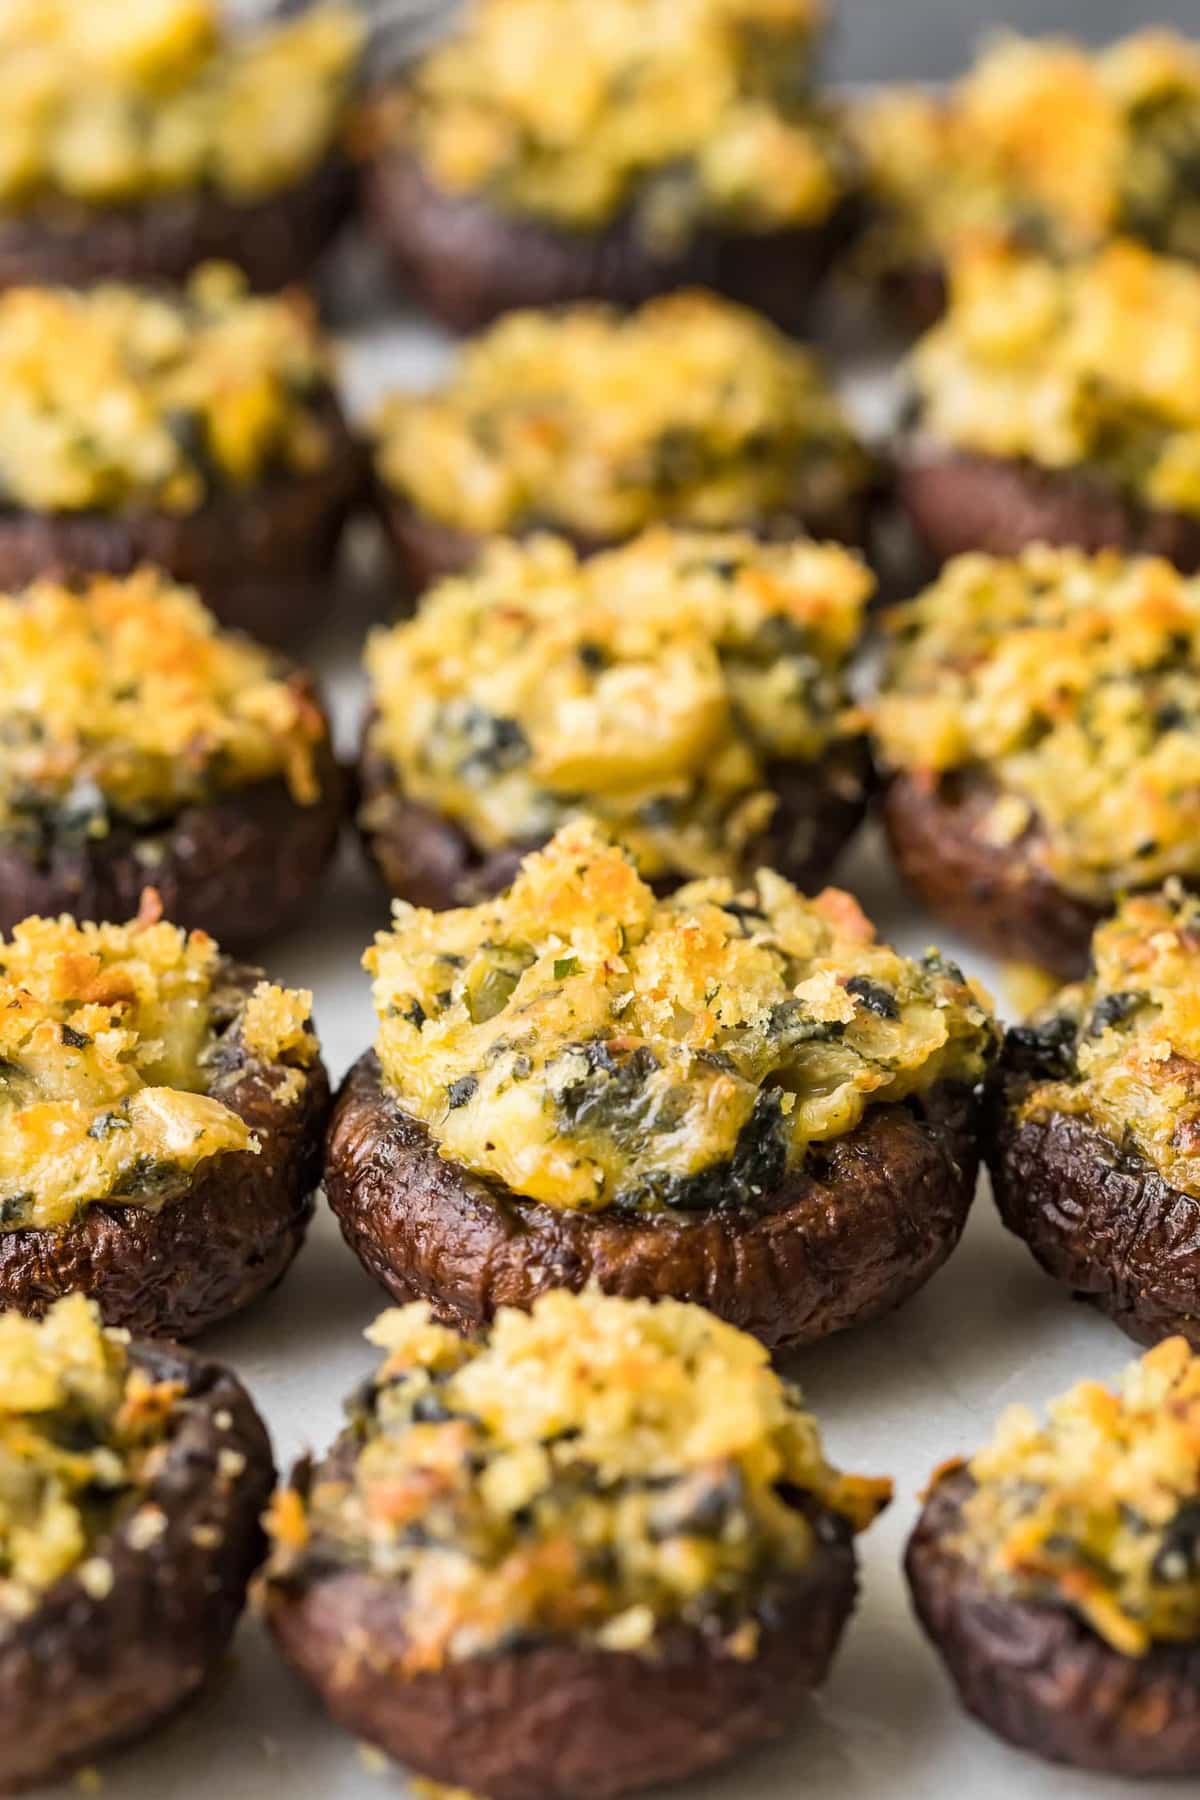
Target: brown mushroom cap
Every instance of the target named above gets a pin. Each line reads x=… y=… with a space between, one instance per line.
x=1038 y=1676
x=227 y=1236
x=849 y=1236
x=82 y=1674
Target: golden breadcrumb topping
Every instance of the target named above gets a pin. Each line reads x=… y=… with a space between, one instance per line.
x=1094 y=366
x=1098 y=1510
x=1122 y=1048
x=1042 y=141
x=653 y=685
x=82 y=1433
x=595 y=1469
x=125 y=399
x=1070 y=683
x=108 y=104
x=600 y=423
x=589 y=1045
x=685 y=110
x=122 y=698
x=110 y=1077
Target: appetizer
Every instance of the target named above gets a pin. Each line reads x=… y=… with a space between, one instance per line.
x=688 y=689
x=199 y=432
x=1038 y=726
x=138 y=141
x=1094 y=1135
x=162 y=1116
x=1042 y=143
x=1056 y=1573
x=735 y=1096
x=132 y=1478
x=596 y=424
x=596 y=1550
x=1060 y=406
x=140 y=744
x=678 y=141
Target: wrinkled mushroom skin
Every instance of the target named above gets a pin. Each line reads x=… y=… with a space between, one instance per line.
x=227 y=1236
x=958 y=501
x=559 y=1720
x=80 y=1675
x=997 y=895
x=1101 y=1220
x=432 y=861
x=244 y=867
x=467 y=263
x=263 y=560
x=1041 y=1679
x=275 y=241
x=852 y=1234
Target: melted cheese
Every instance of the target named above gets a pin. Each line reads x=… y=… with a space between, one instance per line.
x=1097 y=1510
x=110 y=103
x=689 y=109
x=1071 y=683
x=122 y=398
x=653 y=685
x=590 y=1046
x=600 y=423
x=597 y=1468
x=122 y=699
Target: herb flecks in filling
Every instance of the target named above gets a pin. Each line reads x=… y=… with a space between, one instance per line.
x=653 y=1053
x=653 y=685
x=108 y=1035
x=1072 y=684
x=593 y=1471
x=121 y=699
x=691 y=409
x=82 y=1433
x=1098 y=1510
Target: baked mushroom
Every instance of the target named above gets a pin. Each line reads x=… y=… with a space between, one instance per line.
x=1094 y=1134
x=597 y=425
x=1058 y=1577
x=1060 y=406
x=687 y=689
x=199 y=432
x=140 y=744
x=1037 y=727
x=1043 y=143
x=162 y=1111
x=597 y=1550
x=132 y=1477
x=139 y=141
x=685 y=144
x=732 y=1096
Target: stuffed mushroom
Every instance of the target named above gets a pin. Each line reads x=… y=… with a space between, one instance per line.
x=197 y=431
x=595 y=424
x=734 y=1096
x=162 y=1118
x=139 y=141
x=1042 y=143
x=1057 y=1573
x=1059 y=405
x=132 y=1477
x=687 y=689
x=597 y=1550
x=140 y=744
x=678 y=141
x=1037 y=727
x=1094 y=1136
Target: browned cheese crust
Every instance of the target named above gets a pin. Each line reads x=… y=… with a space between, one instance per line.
x=81 y=1675
x=1042 y=1679
x=845 y=1239
x=227 y=1236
